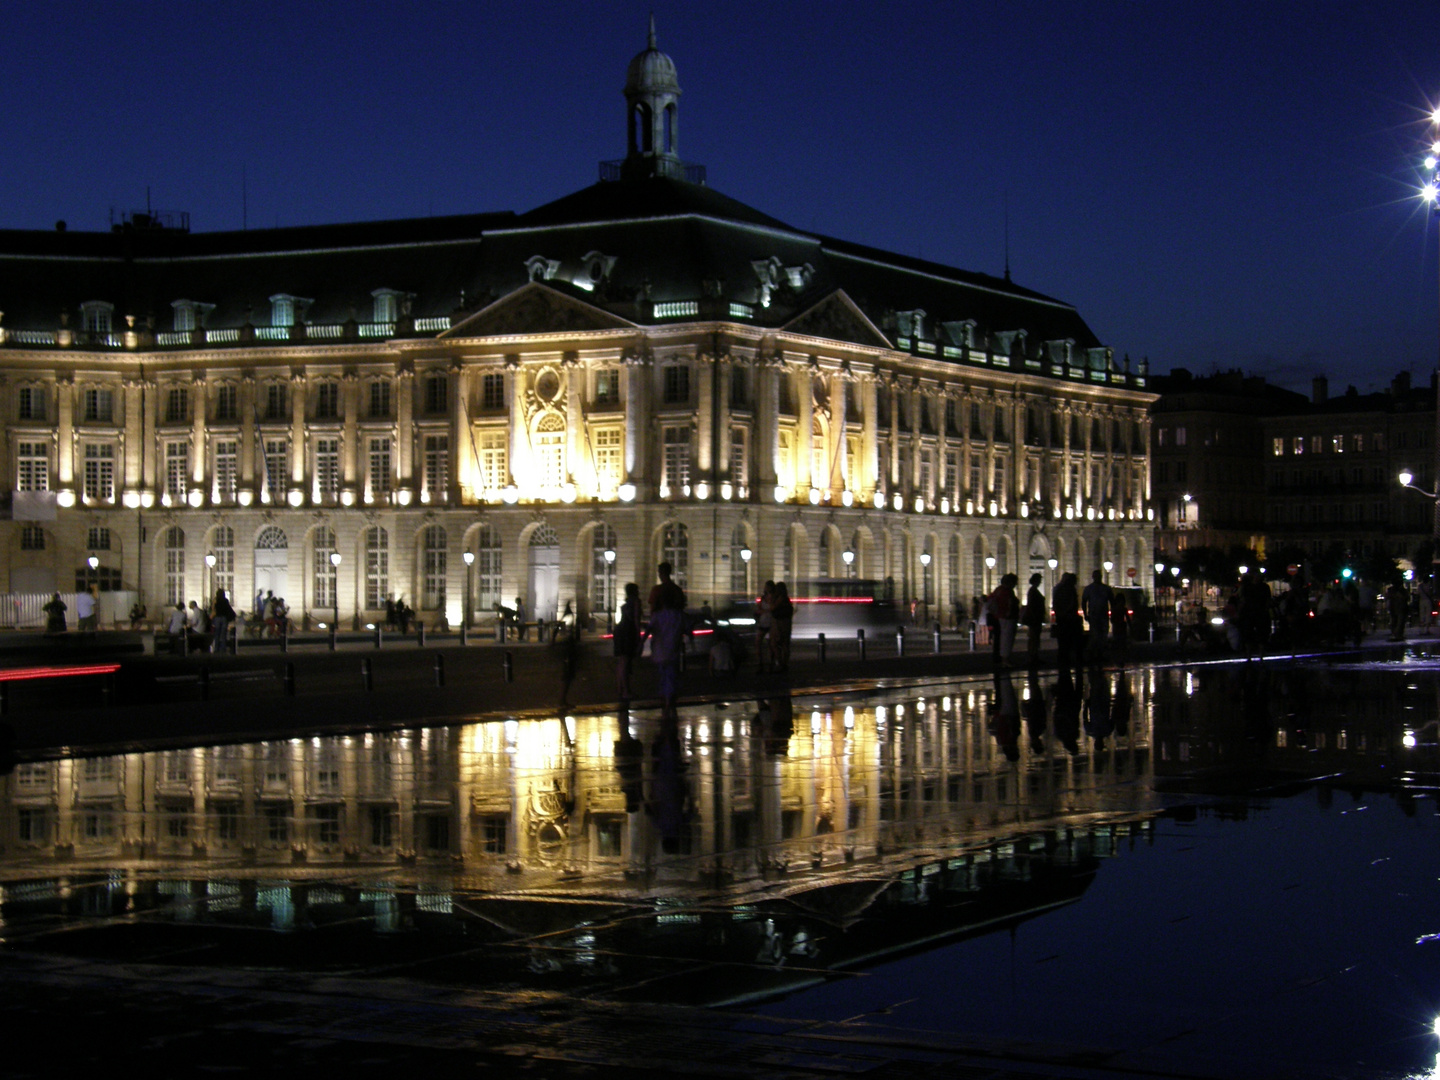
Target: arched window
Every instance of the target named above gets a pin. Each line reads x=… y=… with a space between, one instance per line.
x=377 y=567
x=322 y=584
x=787 y=570
x=928 y=570
x=826 y=568
x=602 y=570
x=272 y=538
x=222 y=546
x=675 y=549
x=175 y=565
x=435 y=563
x=487 y=567
x=669 y=134
x=977 y=566
x=550 y=452
x=856 y=550
x=952 y=571
x=739 y=565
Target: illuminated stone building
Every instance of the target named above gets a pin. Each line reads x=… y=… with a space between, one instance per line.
x=465 y=409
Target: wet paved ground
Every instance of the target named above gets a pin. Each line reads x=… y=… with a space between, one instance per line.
x=1218 y=870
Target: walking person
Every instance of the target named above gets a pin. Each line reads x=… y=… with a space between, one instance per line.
x=1095 y=603
x=87 y=621
x=1033 y=618
x=222 y=615
x=1003 y=614
x=764 y=621
x=1069 y=630
x=55 y=615
x=627 y=640
x=783 y=620
x=666 y=631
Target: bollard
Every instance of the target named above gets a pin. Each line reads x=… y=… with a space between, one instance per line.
x=332 y=637
x=420 y=634
x=184 y=641
x=509 y=666
x=1152 y=632
x=204 y=682
x=936 y=634
x=439 y=669
x=500 y=630
x=464 y=634
x=367 y=675
x=899 y=641
x=972 y=637
x=289 y=678
x=860 y=642
x=820 y=640
x=285 y=636
x=379 y=635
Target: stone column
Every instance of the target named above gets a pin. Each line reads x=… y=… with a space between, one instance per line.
x=725 y=366
x=65 y=431
x=575 y=441
x=892 y=467
x=917 y=403
x=247 y=449
x=637 y=428
x=767 y=420
x=838 y=473
x=297 y=430
x=804 y=427
x=134 y=464
x=403 y=461
x=869 y=440
x=349 y=440
x=198 y=441
x=704 y=368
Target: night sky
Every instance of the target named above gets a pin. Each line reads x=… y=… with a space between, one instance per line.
x=1213 y=185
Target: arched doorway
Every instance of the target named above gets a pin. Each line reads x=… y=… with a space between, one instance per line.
x=272 y=561
x=544 y=572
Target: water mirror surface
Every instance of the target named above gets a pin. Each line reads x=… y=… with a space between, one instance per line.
x=1223 y=870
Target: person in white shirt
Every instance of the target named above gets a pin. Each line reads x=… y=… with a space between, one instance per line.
x=176 y=624
x=85 y=612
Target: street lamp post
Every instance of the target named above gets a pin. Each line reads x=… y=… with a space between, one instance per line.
x=610 y=588
x=469 y=558
x=335 y=591
x=1430 y=194
x=210 y=562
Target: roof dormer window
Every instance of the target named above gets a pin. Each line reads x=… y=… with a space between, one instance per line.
x=286 y=310
x=189 y=314
x=96 y=317
x=387 y=305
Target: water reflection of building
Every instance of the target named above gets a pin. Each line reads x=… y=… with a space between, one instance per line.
x=1373 y=724
x=766 y=791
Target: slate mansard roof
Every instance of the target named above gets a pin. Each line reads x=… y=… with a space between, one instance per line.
x=647 y=250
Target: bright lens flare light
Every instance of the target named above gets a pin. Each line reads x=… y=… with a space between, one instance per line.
x=1430 y=192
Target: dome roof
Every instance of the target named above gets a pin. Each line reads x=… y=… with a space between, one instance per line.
x=651 y=71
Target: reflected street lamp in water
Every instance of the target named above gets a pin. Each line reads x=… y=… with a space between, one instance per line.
x=1430 y=195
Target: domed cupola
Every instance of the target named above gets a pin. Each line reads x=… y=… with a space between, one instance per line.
x=652 y=96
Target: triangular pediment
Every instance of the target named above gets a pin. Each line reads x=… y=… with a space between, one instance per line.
x=536 y=309
x=836 y=317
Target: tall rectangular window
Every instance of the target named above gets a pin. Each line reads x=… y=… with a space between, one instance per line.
x=436 y=567
x=739 y=387
x=32 y=461
x=380 y=399
x=98 y=405
x=951 y=478
x=377 y=567
x=492 y=391
x=676 y=465
x=227 y=402
x=607 y=446
x=177 y=469
x=174 y=565
x=327 y=401
x=222 y=546
x=99 y=472
x=739 y=456
x=327 y=468
x=32 y=538
x=322 y=585
x=177 y=405
x=277 y=453
x=380 y=467
x=977 y=487
x=32 y=403
x=487 y=568
x=607 y=387
x=493 y=474
x=676 y=384
x=226 y=460
x=276 y=400
x=437 y=467
x=437 y=393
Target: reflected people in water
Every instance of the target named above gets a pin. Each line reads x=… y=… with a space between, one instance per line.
x=1005 y=716
x=1067 y=711
x=1033 y=709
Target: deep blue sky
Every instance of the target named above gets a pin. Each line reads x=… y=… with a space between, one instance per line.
x=1212 y=184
